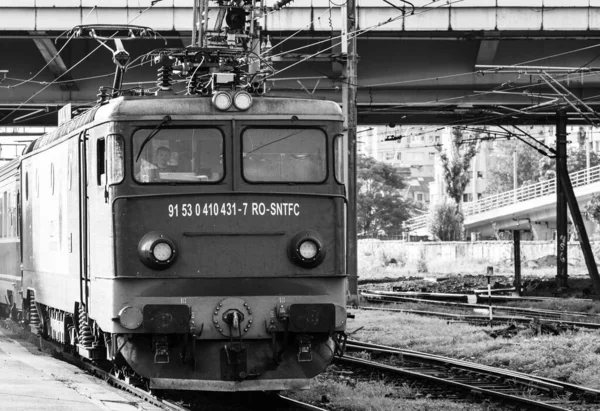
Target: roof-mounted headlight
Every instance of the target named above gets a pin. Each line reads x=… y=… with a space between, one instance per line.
x=157 y=250
x=306 y=249
x=222 y=100
x=242 y=100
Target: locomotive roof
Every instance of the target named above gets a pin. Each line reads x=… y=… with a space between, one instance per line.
x=140 y=108
x=186 y=106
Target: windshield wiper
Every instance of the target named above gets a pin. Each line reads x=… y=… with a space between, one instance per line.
x=166 y=120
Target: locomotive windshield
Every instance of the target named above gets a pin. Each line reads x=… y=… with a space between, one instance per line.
x=294 y=155
x=178 y=155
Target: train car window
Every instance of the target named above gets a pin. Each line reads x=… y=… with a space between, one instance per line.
x=69 y=164
x=288 y=155
x=340 y=159
x=116 y=159
x=100 y=162
x=52 y=177
x=190 y=155
x=26 y=186
x=2 y=216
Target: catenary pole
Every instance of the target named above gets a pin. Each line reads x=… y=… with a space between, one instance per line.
x=562 y=234
x=351 y=123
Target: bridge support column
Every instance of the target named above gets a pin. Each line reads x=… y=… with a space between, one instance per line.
x=542 y=231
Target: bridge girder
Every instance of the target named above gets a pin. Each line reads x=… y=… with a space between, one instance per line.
x=412 y=70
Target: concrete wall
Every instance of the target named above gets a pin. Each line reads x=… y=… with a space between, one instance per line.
x=376 y=253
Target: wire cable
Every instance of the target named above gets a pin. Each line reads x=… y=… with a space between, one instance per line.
x=102 y=43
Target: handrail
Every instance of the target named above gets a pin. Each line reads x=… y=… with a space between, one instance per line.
x=521 y=194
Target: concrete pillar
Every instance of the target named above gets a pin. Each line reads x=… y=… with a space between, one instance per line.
x=541 y=231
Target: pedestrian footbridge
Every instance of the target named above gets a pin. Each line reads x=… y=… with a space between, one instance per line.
x=531 y=208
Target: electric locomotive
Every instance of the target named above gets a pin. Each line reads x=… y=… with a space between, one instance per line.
x=196 y=242
x=219 y=266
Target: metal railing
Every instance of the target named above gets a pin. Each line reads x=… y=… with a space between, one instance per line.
x=521 y=194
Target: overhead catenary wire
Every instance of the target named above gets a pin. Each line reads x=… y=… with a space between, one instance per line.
x=73 y=66
x=354 y=35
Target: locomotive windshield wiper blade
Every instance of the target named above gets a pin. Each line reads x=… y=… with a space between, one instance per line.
x=166 y=120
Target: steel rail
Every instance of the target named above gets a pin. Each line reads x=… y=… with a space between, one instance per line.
x=540 y=382
x=456 y=384
x=466 y=296
x=380 y=296
x=98 y=372
x=302 y=405
x=541 y=315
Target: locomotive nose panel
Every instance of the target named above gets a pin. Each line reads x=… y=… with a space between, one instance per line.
x=225 y=236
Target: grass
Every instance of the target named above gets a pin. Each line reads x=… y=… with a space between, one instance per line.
x=572 y=357
x=379 y=396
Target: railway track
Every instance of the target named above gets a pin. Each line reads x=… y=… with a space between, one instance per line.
x=508 y=386
x=99 y=372
x=277 y=401
x=500 y=313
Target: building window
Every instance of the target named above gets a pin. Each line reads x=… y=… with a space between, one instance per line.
x=419 y=196
x=431 y=154
x=480 y=174
x=467 y=197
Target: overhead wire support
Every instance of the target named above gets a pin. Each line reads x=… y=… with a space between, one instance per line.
x=520 y=69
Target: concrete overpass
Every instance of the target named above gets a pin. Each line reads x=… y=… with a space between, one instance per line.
x=415 y=66
x=531 y=208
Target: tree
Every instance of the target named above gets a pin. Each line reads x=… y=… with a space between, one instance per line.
x=501 y=171
x=576 y=161
x=456 y=163
x=380 y=205
x=446 y=222
x=593 y=208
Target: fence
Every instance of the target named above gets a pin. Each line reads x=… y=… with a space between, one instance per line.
x=521 y=194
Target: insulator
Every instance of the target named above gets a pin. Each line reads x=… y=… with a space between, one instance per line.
x=165 y=75
x=34 y=317
x=103 y=96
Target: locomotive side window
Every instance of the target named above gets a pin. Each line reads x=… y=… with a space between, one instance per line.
x=287 y=155
x=340 y=159
x=116 y=159
x=100 y=161
x=191 y=155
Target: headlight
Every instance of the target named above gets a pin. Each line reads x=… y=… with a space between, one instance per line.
x=157 y=250
x=131 y=317
x=306 y=249
x=222 y=100
x=162 y=251
x=242 y=100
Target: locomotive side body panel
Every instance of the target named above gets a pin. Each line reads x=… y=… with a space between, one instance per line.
x=99 y=230
x=50 y=201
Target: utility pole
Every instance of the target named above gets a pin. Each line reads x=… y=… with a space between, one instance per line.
x=351 y=123
x=562 y=234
